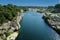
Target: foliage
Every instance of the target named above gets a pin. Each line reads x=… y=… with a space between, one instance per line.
x=57 y=6
x=8 y=12
x=50 y=7
x=24 y=8
x=47 y=17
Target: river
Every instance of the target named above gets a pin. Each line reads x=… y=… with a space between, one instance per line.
x=33 y=27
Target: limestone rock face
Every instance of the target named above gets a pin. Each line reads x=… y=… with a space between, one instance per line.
x=10 y=26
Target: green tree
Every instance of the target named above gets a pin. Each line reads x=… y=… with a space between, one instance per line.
x=50 y=7
x=57 y=6
x=2 y=18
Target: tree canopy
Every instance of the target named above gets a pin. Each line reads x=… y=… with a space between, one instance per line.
x=57 y=6
x=8 y=12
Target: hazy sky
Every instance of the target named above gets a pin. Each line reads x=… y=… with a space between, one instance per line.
x=30 y=2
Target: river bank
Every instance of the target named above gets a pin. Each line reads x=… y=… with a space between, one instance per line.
x=11 y=28
x=12 y=36
x=53 y=20
x=50 y=25
x=15 y=34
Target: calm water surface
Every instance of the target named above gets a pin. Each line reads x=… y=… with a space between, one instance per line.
x=33 y=27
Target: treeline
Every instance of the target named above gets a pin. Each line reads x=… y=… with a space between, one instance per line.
x=50 y=8
x=8 y=12
x=56 y=6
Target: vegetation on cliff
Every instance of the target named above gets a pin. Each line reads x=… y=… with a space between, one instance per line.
x=53 y=18
x=8 y=12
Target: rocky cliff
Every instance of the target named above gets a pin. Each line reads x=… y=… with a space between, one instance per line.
x=10 y=27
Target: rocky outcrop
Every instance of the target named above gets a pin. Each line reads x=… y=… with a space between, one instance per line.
x=52 y=24
x=10 y=27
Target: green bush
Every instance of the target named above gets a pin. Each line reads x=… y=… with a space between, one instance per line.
x=47 y=17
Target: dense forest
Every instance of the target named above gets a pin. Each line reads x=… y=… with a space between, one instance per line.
x=8 y=12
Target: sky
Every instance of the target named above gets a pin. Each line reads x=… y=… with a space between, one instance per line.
x=30 y=2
